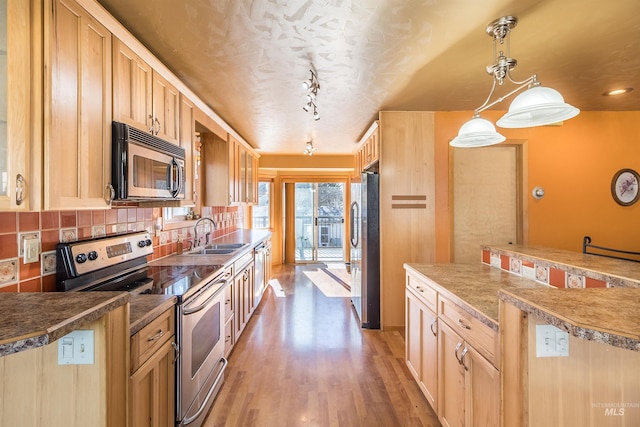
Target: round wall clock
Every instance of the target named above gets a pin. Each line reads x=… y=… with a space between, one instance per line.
x=624 y=187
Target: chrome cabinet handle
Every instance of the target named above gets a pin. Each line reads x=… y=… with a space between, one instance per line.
x=228 y=338
x=152 y=124
x=419 y=289
x=156 y=336
x=462 y=355
x=156 y=122
x=176 y=350
x=434 y=322
x=461 y=323
x=111 y=194
x=19 y=189
x=456 y=352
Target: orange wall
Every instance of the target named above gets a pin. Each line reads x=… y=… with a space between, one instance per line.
x=574 y=164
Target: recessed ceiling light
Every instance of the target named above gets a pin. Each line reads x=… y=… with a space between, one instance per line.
x=618 y=91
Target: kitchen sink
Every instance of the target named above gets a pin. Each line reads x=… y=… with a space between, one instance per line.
x=211 y=251
x=222 y=246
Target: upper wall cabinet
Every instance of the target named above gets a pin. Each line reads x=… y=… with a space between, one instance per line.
x=187 y=141
x=142 y=98
x=15 y=65
x=77 y=110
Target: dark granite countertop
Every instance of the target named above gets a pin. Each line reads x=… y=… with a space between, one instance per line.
x=608 y=316
x=473 y=287
x=31 y=320
x=145 y=308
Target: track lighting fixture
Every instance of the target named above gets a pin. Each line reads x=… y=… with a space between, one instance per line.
x=536 y=106
x=311 y=86
x=309 y=149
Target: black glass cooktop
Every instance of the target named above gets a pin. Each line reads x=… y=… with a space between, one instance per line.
x=179 y=279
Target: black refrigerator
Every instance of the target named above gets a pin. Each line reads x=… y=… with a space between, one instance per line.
x=365 y=250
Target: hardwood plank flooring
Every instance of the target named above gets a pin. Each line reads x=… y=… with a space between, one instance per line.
x=303 y=360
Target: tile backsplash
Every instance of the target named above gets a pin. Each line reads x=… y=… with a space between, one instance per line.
x=57 y=226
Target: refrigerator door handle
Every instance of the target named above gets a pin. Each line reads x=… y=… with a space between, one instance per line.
x=354 y=229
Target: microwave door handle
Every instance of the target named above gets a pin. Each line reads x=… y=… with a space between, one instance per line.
x=180 y=180
x=174 y=190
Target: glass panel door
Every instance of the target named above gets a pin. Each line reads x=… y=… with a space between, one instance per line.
x=319 y=225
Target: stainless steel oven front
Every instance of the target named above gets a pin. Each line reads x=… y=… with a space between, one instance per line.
x=201 y=336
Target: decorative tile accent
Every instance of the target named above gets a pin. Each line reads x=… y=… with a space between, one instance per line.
x=486 y=257
x=542 y=274
x=594 y=283
x=68 y=234
x=575 y=281
x=163 y=237
x=48 y=263
x=515 y=266
x=504 y=262
x=8 y=271
x=98 y=230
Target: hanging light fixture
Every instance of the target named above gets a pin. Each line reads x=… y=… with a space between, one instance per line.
x=309 y=149
x=536 y=106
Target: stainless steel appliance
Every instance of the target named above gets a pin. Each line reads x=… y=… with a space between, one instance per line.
x=145 y=167
x=365 y=250
x=119 y=262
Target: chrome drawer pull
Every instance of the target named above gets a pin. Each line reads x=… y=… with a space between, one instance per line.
x=176 y=349
x=461 y=323
x=418 y=288
x=156 y=336
x=434 y=322
x=456 y=352
x=462 y=355
x=228 y=338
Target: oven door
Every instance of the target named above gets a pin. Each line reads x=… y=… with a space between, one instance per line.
x=202 y=361
x=153 y=174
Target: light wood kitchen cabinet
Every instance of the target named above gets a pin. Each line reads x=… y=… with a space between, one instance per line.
x=368 y=152
x=132 y=88
x=15 y=108
x=187 y=141
x=422 y=347
x=229 y=319
x=166 y=109
x=152 y=381
x=77 y=112
x=143 y=98
x=231 y=171
x=452 y=355
x=243 y=284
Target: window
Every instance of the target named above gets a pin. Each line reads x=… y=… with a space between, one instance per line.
x=261 y=211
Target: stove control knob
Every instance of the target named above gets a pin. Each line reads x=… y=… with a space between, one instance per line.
x=80 y=258
x=149 y=242
x=142 y=243
x=93 y=255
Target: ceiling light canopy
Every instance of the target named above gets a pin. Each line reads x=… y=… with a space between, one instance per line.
x=536 y=106
x=309 y=149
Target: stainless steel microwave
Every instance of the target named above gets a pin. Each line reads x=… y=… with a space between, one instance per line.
x=145 y=167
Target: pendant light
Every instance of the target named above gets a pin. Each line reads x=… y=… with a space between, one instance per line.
x=536 y=106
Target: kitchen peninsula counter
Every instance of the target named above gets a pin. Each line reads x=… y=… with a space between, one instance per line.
x=473 y=287
x=32 y=320
x=145 y=308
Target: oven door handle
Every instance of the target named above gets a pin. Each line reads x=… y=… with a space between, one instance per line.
x=189 y=310
x=191 y=419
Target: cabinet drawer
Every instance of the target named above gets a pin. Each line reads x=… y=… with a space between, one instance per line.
x=424 y=291
x=480 y=336
x=229 y=340
x=228 y=301
x=151 y=338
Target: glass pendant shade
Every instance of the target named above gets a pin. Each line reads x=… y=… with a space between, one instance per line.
x=537 y=106
x=477 y=132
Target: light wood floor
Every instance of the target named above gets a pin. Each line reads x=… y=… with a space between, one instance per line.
x=304 y=361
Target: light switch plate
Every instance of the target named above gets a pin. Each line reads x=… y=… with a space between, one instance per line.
x=23 y=236
x=76 y=348
x=31 y=250
x=551 y=341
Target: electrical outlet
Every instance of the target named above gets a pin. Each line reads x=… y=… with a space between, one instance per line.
x=22 y=237
x=551 y=341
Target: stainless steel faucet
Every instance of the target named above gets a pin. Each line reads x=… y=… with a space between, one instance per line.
x=196 y=241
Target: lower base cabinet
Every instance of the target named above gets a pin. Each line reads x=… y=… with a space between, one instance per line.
x=153 y=377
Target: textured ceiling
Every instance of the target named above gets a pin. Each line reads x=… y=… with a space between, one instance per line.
x=247 y=58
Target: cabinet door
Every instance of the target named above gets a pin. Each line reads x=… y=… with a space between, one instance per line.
x=234 y=171
x=238 y=306
x=15 y=122
x=482 y=389
x=151 y=392
x=166 y=107
x=422 y=347
x=187 y=141
x=77 y=149
x=131 y=88
x=451 y=382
